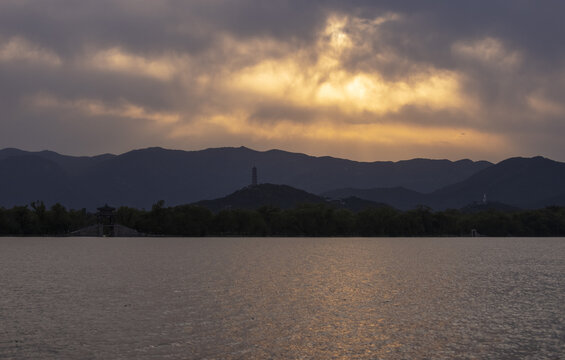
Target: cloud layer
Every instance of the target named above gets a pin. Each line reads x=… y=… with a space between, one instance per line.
x=367 y=80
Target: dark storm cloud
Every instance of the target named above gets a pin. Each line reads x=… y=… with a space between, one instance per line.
x=532 y=25
x=66 y=25
x=426 y=34
x=73 y=84
x=429 y=29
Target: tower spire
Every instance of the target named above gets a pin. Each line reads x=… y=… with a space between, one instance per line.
x=254 y=176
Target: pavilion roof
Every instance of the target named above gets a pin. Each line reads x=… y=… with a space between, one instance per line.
x=106 y=209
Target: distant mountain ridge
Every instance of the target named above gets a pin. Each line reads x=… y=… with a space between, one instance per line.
x=516 y=182
x=139 y=178
x=523 y=182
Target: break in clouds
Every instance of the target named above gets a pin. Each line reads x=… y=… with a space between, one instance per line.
x=367 y=80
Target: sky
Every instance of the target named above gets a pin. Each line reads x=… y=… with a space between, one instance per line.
x=363 y=80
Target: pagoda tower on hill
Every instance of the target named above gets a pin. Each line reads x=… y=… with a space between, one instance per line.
x=254 y=176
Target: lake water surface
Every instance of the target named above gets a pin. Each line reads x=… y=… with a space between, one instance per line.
x=272 y=298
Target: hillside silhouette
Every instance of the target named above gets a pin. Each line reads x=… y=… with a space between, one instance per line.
x=139 y=178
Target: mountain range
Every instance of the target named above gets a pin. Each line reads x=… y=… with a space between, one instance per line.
x=140 y=178
x=518 y=182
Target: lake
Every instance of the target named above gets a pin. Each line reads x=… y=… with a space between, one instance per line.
x=282 y=298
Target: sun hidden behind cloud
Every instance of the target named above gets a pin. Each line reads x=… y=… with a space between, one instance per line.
x=382 y=83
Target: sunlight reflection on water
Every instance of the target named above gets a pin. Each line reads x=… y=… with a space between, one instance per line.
x=259 y=298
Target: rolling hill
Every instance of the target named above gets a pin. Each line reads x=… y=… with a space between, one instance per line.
x=253 y=197
x=279 y=196
x=398 y=197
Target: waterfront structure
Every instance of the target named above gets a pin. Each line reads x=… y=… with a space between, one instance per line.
x=105 y=215
x=106 y=226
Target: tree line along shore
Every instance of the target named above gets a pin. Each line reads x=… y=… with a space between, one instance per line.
x=36 y=219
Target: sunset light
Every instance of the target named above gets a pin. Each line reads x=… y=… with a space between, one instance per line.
x=282 y=179
x=382 y=83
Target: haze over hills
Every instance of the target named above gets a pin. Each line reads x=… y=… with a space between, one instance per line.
x=516 y=182
x=139 y=178
x=523 y=182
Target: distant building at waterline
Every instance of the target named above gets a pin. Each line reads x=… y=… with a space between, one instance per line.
x=106 y=225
